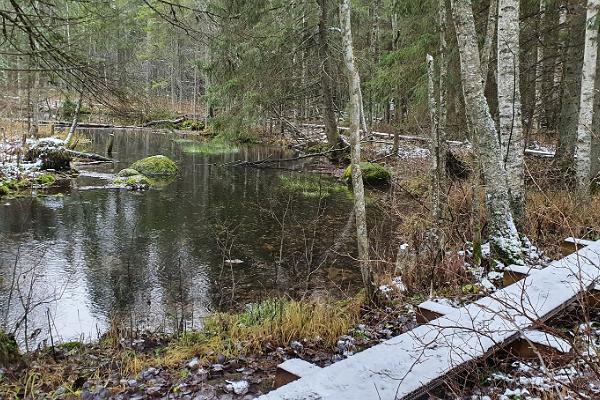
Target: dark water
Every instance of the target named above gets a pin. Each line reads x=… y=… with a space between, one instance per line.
x=93 y=254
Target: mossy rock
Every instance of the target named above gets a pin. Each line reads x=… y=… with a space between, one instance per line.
x=134 y=180
x=373 y=174
x=45 y=179
x=416 y=187
x=158 y=165
x=9 y=350
x=127 y=172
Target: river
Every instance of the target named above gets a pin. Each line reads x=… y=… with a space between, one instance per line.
x=92 y=256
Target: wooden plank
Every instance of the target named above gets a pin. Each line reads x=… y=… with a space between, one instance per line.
x=571 y=245
x=429 y=310
x=533 y=343
x=412 y=364
x=514 y=273
x=293 y=369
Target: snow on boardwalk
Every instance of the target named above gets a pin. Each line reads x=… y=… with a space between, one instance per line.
x=410 y=364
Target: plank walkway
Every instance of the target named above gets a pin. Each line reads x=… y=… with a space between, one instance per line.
x=411 y=364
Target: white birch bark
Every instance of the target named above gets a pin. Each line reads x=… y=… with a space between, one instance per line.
x=75 y=120
x=486 y=52
x=509 y=102
x=357 y=181
x=503 y=233
x=560 y=60
x=586 y=104
x=434 y=172
x=443 y=88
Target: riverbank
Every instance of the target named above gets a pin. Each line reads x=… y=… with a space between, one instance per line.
x=233 y=357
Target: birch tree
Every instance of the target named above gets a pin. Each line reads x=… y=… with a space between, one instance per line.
x=509 y=102
x=354 y=117
x=503 y=235
x=436 y=208
x=486 y=52
x=586 y=103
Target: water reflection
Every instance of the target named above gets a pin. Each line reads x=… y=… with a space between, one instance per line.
x=156 y=259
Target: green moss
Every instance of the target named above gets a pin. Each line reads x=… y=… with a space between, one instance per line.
x=373 y=174
x=313 y=186
x=191 y=125
x=9 y=350
x=416 y=187
x=124 y=173
x=13 y=186
x=45 y=179
x=134 y=180
x=158 y=165
x=71 y=345
x=211 y=148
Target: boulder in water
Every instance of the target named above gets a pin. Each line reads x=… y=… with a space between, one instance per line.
x=158 y=165
x=127 y=172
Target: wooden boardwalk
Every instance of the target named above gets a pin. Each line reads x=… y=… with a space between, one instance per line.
x=411 y=364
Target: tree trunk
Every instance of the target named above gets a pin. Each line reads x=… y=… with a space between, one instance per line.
x=331 y=128
x=486 y=52
x=567 y=125
x=595 y=167
x=75 y=120
x=509 y=103
x=434 y=171
x=443 y=89
x=539 y=69
x=586 y=103
x=357 y=182
x=504 y=238
x=35 y=105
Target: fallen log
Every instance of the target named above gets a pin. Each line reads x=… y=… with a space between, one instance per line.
x=90 y=156
x=164 y=121
x=422 y=139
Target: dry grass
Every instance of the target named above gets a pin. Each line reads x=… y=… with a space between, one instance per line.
x=266 y=325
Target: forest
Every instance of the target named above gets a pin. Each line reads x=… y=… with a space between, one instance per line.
x=303 y=199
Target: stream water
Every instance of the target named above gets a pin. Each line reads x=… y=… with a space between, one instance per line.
x=91 y=254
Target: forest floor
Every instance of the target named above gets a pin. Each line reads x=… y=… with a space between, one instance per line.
x=235 y=357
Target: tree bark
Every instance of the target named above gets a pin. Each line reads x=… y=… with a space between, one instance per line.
x=331 y=128
x=442 y=86
x=567 y=125
x=75 y=120
x=586 y=103
x=486 y=52
x=434 y=171
x=539 y=69
x=509 y=103
x=504 y=238
x=357 y=181
x=595 y=167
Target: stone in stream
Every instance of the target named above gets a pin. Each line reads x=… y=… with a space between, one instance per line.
x=127 y=172
x=153 y=166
